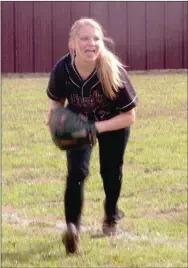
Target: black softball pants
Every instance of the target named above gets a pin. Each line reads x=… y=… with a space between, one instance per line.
x=112 y=146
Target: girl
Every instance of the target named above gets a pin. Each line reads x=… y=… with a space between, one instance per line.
x=93 y=81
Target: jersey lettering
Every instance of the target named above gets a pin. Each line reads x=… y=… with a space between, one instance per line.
x=93 y=101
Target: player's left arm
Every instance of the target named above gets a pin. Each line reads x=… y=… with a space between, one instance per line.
x=124 y=119
x=126 y=102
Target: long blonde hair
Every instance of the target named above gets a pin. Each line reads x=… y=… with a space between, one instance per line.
x=109 y=67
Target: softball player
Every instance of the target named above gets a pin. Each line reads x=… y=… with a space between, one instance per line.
x=97 y=87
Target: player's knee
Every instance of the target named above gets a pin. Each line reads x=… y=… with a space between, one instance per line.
x=111 y=174
x=78 y=175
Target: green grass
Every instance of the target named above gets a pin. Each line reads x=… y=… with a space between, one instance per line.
x=154 y=190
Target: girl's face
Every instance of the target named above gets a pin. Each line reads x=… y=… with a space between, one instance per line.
x=88 y=43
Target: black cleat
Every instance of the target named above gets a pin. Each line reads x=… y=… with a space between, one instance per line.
x=71 y=239
x=109 y=227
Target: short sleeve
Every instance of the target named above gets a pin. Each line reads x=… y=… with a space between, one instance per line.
x=126 y=97
x=56 y=89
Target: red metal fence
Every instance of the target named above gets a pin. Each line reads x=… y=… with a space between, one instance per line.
x=148 y=35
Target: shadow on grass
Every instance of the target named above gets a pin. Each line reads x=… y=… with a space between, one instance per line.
x=98 y=235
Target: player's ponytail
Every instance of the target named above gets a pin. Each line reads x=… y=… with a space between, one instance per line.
x=109 y=71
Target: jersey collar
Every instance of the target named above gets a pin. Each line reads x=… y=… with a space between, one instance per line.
x=76 y=78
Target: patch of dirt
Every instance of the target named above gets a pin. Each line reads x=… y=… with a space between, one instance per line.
x=149 y=213
x=51 y=223
x=8 y=209
x=36 y=180
x=162 y=215
x=12 y=147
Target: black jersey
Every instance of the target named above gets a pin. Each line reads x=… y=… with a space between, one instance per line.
x=86 y=96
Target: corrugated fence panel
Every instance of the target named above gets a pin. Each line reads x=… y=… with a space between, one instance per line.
x=136 y=35
x=61 y=21
x=43 y=36
x=147 y=35
x=155 y=35
x=174 y=34
x=24 y=37
x=79 y=9
x=185 y=36
x=7 y=37
x=118 y=30
x=99 y=11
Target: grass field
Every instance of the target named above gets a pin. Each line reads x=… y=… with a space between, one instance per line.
x=154 y=192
